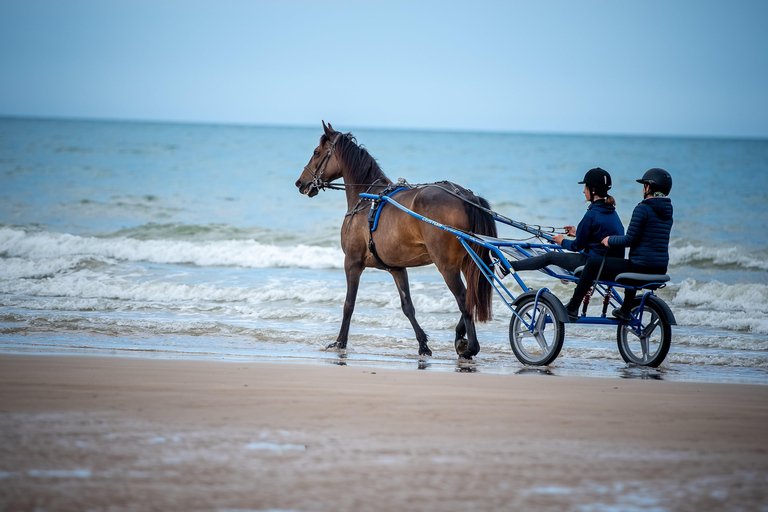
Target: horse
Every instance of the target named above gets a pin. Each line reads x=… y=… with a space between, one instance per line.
x=401 y=240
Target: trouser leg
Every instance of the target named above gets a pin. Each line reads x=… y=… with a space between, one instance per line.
x=567 y=260
x=611 y=268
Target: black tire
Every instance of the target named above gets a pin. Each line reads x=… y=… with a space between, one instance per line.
x=651 y=347
x=548 y=333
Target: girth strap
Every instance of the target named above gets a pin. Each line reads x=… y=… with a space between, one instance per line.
x=373 y=222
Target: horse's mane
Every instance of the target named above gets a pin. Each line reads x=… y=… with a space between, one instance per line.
x=364 y=168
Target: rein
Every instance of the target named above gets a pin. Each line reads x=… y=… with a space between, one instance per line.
x=531 y=228
x=319 y=184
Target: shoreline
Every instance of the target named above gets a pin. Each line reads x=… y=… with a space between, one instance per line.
x=619 y=370
x=89 y=432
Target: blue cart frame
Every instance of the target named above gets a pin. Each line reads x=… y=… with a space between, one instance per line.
x=539 y=314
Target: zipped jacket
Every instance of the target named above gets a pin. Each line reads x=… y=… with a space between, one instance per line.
x=648 y=233
x=600 y=221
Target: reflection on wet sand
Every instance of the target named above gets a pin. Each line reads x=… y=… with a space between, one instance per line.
x=340 y=359
x=466 y=366
x=528 y=370
x=641 y=373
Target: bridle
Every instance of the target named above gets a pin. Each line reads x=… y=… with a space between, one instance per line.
x=317 y=177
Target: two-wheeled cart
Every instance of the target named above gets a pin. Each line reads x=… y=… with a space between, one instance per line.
x=537 y=327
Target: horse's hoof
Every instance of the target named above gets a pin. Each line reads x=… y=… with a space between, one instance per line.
x=425 y=352
x=461 y=345
x=466 y=355
x=336 y=346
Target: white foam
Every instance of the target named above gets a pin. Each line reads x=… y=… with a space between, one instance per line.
x=741 y=307
x=275 y=447
x=87 y=286
x=730 y=320
x=733 y=297
x=18 y=268
x=17 y=243
x=735 y=342
x=717 y=360
x=725 y=256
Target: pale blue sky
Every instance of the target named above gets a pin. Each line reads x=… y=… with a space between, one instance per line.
x=666 y=67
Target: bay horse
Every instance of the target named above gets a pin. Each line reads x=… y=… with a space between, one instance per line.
x=402 y=241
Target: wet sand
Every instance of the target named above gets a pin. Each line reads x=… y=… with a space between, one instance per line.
x=94 y=433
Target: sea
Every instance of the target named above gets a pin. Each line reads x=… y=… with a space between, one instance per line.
x=191 y=241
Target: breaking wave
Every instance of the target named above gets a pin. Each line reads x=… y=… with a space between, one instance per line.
x=731 y=256
x=66 y=250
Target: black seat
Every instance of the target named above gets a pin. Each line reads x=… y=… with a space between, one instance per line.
x=650 y=281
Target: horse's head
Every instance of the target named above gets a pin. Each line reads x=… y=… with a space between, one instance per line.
x=324 y=166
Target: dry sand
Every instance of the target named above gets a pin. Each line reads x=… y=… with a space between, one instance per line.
x=93 y=433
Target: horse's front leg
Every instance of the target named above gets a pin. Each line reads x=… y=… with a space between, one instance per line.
x=353 y=272
x=403 y=288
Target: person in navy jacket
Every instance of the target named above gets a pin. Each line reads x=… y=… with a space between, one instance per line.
x=599 y=222
x=647 y=238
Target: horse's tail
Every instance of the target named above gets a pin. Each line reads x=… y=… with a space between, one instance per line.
x=479 y=290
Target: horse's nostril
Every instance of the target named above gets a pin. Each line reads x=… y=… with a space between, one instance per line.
x=298 y=183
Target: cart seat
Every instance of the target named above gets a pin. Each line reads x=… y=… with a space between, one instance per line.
x=650 y=281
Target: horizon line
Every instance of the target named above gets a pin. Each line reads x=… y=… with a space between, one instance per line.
x=552 y=133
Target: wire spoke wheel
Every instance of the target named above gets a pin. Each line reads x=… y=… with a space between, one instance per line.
x=540 y=345
x=649 y=345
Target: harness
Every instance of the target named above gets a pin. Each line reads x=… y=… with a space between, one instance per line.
x=373 y=220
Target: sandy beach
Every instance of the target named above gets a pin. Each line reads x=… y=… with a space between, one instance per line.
x=96 y=433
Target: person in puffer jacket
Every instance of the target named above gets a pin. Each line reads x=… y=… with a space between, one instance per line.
x=601 y=220
x=648 y=241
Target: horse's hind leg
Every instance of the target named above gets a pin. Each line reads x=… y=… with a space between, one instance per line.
x=401 y=281
x=471 y=347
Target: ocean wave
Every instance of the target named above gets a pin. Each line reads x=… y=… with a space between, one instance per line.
x=325 y=235
x=23 y=268
x=735 y=342
x=39 y=245
x=87 y=285
x=150 y=328
x=730 y=360
x=731 y=256
x=729 y=320
x=721 y=296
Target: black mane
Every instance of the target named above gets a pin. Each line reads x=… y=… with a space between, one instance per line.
x=363 y=167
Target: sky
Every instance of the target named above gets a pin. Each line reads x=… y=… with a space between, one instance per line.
x=671 y=67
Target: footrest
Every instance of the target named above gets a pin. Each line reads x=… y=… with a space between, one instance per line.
x=642 y=280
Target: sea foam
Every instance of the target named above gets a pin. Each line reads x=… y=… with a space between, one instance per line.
x=37 y=245
x=708 y=255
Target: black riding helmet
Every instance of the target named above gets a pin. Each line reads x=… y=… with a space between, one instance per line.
x=598 y=180
x=659 y=179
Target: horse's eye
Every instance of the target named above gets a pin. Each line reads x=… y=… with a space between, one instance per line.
x=317 y=152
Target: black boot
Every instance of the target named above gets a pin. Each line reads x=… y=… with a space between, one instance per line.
x=573 y=313
x=621 y=315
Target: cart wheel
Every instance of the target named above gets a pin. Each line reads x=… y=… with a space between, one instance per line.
x=651 y=346
x=542 y=345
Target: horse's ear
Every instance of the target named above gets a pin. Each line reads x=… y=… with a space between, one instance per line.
x=331 y=128
x=327 y=129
